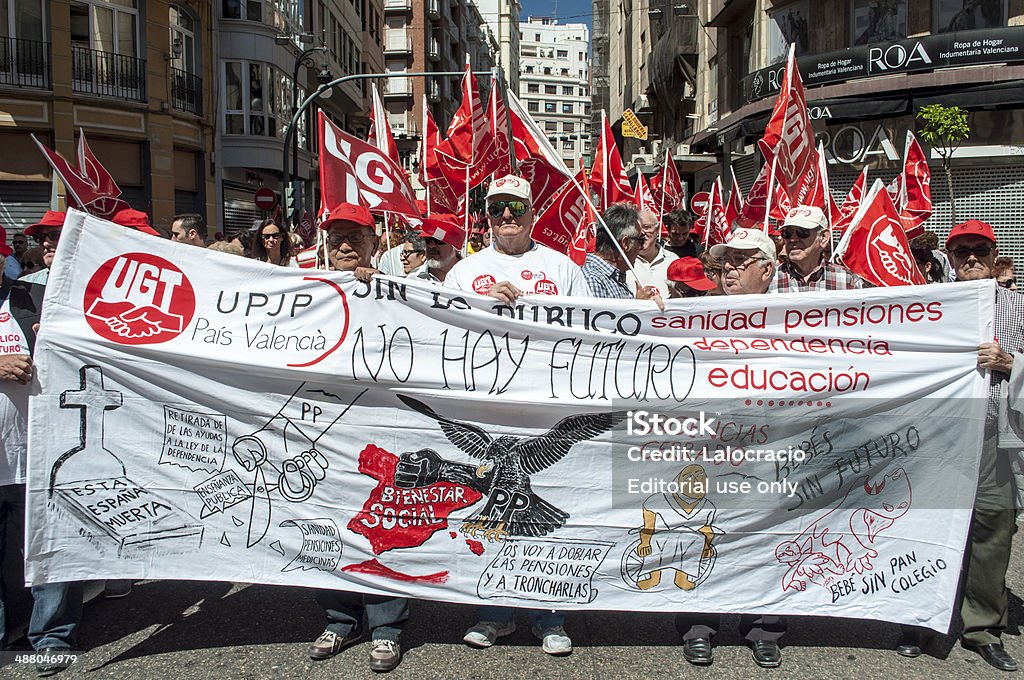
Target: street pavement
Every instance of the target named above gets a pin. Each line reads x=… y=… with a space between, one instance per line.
x=168 y=630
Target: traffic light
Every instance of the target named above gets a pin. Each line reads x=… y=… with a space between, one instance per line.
x=293 y=200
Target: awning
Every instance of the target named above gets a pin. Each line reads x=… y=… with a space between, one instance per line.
x=1009 y=93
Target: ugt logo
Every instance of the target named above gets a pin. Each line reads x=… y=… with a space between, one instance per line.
x=139 y=299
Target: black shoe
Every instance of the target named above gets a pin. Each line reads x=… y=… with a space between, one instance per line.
x=909 y=644
x=53 y=660
x=766 y=653
x=698 y=651
x=994 y=655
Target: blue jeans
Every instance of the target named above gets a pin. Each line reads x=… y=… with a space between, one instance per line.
x=57 y=607
x=542 y=619
x=384 y=615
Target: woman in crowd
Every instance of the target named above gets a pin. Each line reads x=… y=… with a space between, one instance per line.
x=272 y=244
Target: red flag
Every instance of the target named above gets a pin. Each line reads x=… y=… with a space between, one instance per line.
x=499 y=161
x=607 y=176
x=875 y=246
x=585 y=239
x=916 y=207
x=667 y=187
x=440 y=195
x=467 y=133
x=90 y=187
x=352 y=171
x=379 y=134
x=752 y=213
x=559 y=225
x=735 y=205
x=789 y=137
x=844 y=215
x=712 y=223
x=643 y=198
x=780 y=203
x=539 y=164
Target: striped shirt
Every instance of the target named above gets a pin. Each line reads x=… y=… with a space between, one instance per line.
x=604 y=279
x=1009 y=326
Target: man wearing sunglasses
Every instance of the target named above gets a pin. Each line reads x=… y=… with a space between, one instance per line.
x=46 y=233
x=973 y=251
x=514 y=264
x=805 y=238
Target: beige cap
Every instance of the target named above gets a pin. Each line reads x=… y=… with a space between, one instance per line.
x=510 y=185
x=745 y=239
x=806 y=216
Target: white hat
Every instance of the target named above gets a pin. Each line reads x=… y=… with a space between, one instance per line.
x=806 y=216
x=745 y=239
x=510 y=185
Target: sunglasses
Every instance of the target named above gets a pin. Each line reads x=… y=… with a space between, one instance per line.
x=355 y=238
x=409 y=253
x=267 y=237
x=497 y=208
x=53 y=235
x=790 y=231
x=1008 y=283
x=978 y=251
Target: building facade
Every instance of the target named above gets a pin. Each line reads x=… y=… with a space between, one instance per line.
x=868 y=68
x=555 y=83
x=134 y=75
x=502 y=18
x=429 y=36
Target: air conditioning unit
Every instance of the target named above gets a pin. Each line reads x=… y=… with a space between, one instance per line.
x=641 y=159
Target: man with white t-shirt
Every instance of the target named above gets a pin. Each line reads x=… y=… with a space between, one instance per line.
x=514 y=264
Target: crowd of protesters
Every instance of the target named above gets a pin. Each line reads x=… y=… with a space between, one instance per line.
x=637 y=255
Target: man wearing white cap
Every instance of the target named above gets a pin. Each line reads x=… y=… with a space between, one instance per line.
x=748 y=268
x=805 y=235
x=748 y=262
x=513 y=256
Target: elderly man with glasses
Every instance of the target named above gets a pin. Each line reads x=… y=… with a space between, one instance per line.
x=514 y=255
x=973 y=251
x=46 y=233
x=805 y=237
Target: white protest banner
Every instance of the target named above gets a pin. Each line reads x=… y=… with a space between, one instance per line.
x=207 y=417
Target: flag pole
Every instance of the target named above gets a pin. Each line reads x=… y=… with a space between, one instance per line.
x=607 y=159
x=664 y=180
x=423 y=153
x=465 y=219
x=771 y=194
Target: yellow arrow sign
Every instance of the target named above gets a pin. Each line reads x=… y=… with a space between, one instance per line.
x=632 y=127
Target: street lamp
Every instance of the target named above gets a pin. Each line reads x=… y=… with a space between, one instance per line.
x=305 y=58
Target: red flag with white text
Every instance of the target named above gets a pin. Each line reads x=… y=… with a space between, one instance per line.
x=789 y=137
x=90 y=188
x=875 y=247
x=352 y=171
x=667 y=187
x=539 y=164
x=559 y=225
x=642 y=197
x=844 y=216
x=752 y=213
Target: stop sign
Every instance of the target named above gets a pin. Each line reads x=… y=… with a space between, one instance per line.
x=699 y=202
x=266 y=199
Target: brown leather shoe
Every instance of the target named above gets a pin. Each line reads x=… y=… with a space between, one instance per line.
x=385 y=655
x=329 y=644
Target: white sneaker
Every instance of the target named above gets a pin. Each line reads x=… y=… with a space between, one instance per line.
x=555 y=641
x=485 y=633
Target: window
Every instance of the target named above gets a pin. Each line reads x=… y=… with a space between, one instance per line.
x=586 y=109
x=547 y=70
x=532 y=88
x=22 y=19
x=284 y=16
x=529 y=69
x=550 y=89
x=250 y=10
x=105 y=26
x=257 y=99
x=958 y=15
x=183 y=37
x=567 y=108
x=550 y=126
x=549 y=107
x=567 y=90
x=533 y=107
x=568 y=127
x=536 y=37
x=788 y=26
x=583 y=55
x=563 y=54
x=879 y=22
x=564 y=72
x=583 y=92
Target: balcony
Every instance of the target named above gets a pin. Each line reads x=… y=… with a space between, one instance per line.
x=397 y=88
x=397 y=41
x=24 y=63
x=433 y=90
x=434 y=9
x=186 y=91
x=434 y=50
x=398 y=6
x=107 y=74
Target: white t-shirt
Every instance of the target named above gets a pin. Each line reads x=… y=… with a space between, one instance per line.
x=653 y=273
x=538 y=271
x=13 y=404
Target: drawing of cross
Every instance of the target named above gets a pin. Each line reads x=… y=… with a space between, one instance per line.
x=94 y=400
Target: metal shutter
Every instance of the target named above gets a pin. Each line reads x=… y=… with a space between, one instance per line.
x=186 y=202
x=746 y=169
x=240 y=211
x=993 y=193
x=22 y=204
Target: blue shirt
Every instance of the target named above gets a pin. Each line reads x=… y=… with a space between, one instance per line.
x=604 y=279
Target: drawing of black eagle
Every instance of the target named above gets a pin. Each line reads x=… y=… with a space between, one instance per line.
x=512 y=508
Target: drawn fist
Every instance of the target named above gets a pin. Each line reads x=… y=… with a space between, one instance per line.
x=643 y=550
x=417 y=468
x=249 y=451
